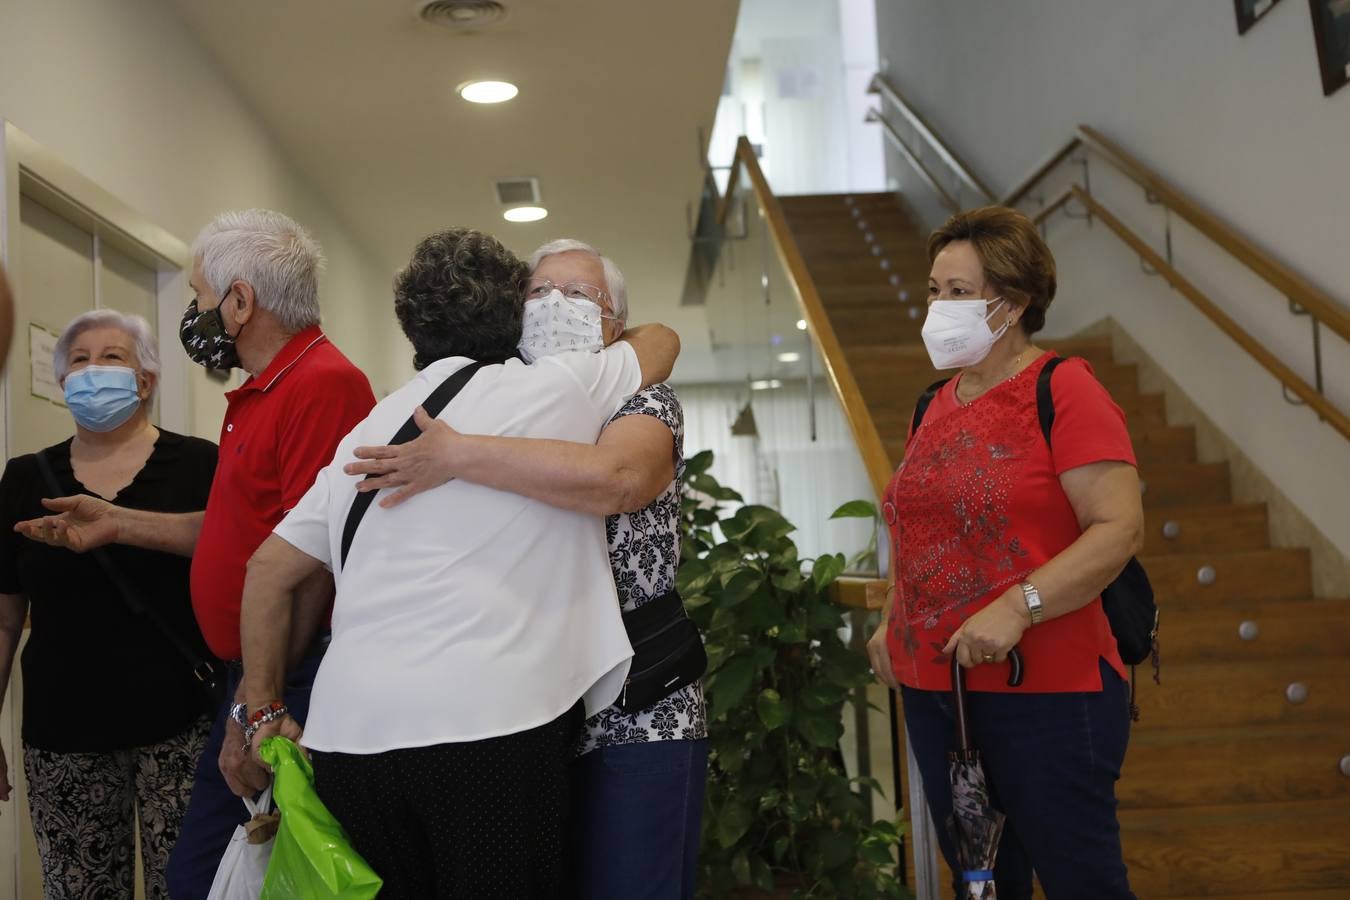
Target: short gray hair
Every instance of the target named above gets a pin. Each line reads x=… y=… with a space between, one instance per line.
x=135 y=327
x=270 y=251
x=614 y=283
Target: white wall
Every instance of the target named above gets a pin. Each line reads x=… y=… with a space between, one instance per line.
x=120 y=92
x=1239 y=123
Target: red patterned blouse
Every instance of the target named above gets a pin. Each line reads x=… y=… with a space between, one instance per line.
x=977 y=506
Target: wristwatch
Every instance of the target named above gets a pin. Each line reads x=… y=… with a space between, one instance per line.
x=239 y=712
x=1033 y=599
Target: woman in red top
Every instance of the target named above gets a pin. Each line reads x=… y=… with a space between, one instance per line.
x=1000 y=539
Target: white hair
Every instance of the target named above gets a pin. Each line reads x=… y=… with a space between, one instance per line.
x=270 y=251
x=134 y=327
x=614 y=283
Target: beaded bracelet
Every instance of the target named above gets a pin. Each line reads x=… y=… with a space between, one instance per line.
x=260 y=717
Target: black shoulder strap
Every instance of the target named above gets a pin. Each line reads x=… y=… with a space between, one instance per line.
x=201 y=668
x=435 y=402
x=921 y=407
x=1045 y=400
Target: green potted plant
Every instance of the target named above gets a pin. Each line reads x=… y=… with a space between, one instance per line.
x=782 y=816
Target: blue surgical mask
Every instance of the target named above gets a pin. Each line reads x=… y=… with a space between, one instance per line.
x=102 y=397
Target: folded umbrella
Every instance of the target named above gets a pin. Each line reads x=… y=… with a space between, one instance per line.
x=974 y=825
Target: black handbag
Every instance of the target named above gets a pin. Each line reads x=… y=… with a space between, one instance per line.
x=210 y=674
x=668 y=652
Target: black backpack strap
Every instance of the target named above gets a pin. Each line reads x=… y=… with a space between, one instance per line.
x=1045 y=400
x=924 y=400
x=435 y=402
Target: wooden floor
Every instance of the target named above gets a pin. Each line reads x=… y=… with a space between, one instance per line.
x=1229 y=789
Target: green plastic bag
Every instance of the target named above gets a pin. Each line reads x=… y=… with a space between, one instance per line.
x=311 y=857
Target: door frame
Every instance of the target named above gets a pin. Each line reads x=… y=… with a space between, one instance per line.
x=27 y=167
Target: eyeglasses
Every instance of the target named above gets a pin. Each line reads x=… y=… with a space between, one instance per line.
x=573 y=291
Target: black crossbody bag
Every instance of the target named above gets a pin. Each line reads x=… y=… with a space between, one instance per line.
x=667 y=648
x=668 y=652
x=210 y=675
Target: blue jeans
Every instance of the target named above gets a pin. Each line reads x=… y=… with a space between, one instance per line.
x=213 y=810
x=636 y=811
x=1052 y=761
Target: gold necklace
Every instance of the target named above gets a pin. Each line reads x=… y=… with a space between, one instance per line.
x=1016 y=367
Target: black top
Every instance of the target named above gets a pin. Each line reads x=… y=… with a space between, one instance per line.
x=96 y=677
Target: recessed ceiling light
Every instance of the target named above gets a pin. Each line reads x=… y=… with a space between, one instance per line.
x=767 y=385
x=789 y=357
x=801 y=324
x=487 y=91
x=525 y=214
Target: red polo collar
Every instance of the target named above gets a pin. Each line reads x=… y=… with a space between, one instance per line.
x=282 y=363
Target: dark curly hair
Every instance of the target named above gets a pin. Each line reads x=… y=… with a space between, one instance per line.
x=461 y=294
x=1015 y=258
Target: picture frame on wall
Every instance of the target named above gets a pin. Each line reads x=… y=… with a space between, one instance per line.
x=1331 y=30
x=1250 y=11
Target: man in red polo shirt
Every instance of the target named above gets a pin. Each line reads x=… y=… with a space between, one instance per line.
x=255 y=306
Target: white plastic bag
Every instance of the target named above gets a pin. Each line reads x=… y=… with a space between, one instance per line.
x=240 y=873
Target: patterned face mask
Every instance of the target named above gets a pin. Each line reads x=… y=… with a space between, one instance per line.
x=558 y=324
x=206 y=340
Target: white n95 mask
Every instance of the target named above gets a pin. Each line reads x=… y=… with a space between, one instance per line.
x=555 y=324
x=957 y=332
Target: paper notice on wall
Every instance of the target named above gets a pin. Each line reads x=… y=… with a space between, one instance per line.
x=798 y=83
x=41 y=345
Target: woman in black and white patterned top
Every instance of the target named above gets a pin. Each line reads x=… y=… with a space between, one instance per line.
x=638 y=781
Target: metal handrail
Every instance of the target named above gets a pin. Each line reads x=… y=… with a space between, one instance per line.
x=881 y=85
x=1243 y=338
x=864 y=429
x=912 y=157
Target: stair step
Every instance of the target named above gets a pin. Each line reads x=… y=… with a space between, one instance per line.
x=1203 y=528
x=1246 y=693
x=1170 y=443
x=1245 y=764
x=1290 y=629
x=1170 y=484
x=1217 y=851
x=1282 y=573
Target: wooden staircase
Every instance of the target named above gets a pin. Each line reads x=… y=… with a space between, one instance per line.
x=1229 y=788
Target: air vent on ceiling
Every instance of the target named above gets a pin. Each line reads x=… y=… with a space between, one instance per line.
x=462 y=15
x=517 y=191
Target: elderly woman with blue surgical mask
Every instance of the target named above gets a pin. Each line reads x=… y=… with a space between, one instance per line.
x=638 y=780
x=113 y=716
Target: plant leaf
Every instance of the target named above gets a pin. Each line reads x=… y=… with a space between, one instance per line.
x=773 y=711
x=733 y=823
x=698 y=463
x=730 y=685
x=856 y=509
x=826 y=570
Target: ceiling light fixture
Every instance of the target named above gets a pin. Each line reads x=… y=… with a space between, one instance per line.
x=525 y=214
x=789 y=357
x=801 y=324
x=766 y=385
x=487 y=91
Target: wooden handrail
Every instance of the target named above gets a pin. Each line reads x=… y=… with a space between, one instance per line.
x=1287 y=376
x=865 y=433
x=913 y=159
x=880 y=84
x=1289 y=283
x=1054 y=206
x=1015 y=196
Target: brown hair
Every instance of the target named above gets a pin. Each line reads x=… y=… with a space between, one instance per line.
x=1013 y=255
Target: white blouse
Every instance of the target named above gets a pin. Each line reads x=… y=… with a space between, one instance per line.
x=465 y=612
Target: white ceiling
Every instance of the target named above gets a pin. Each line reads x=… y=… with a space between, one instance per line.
x=361 y=95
